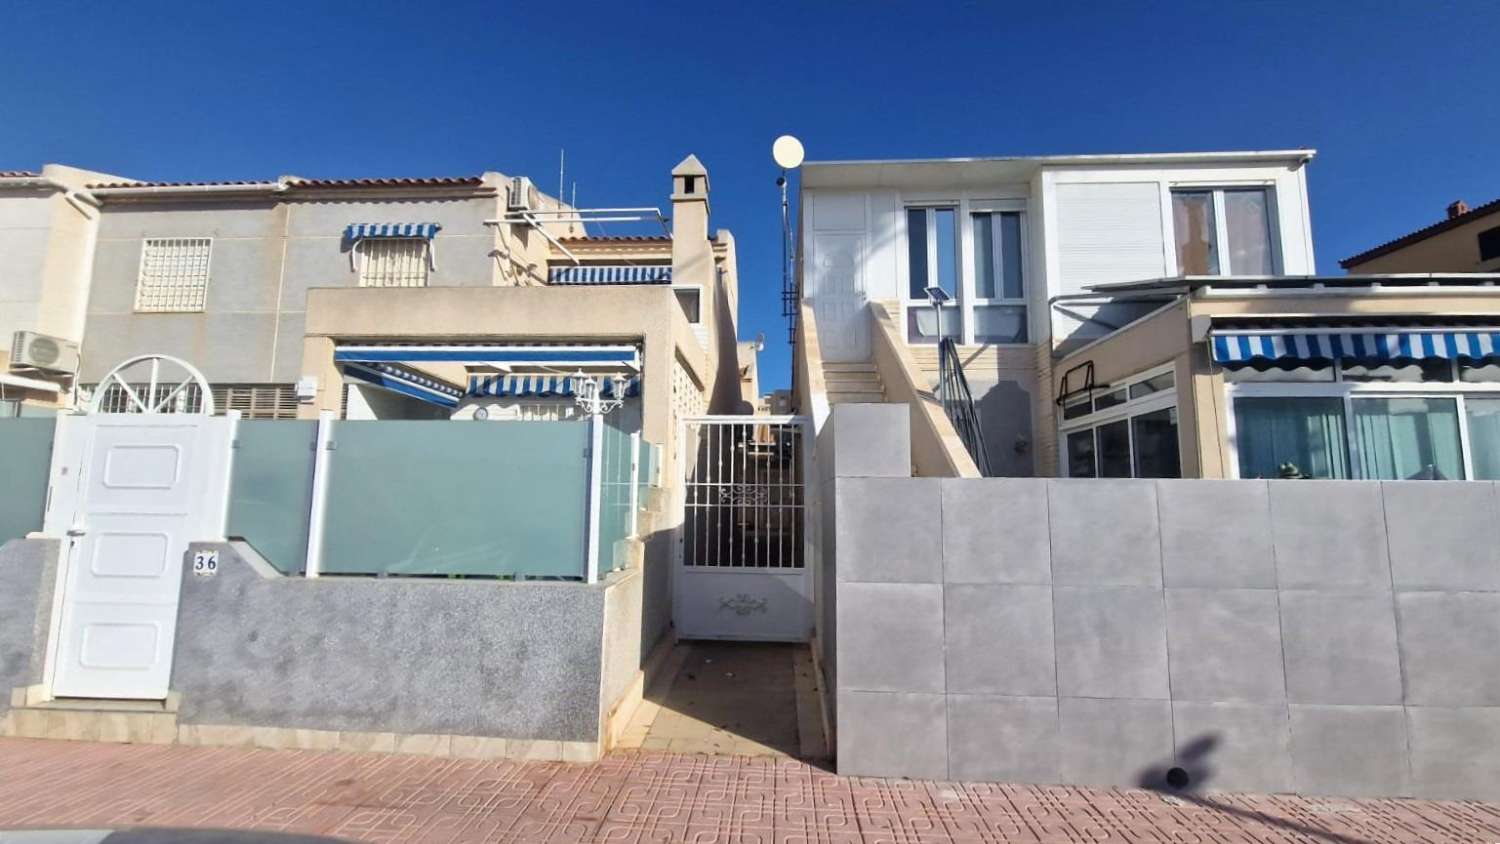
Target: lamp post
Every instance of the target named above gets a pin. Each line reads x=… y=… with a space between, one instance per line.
x=938 y=297
x=788 y=152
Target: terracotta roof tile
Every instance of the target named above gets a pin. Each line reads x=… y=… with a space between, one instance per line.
x=436 y=182
x=1422 y=234
x=620 y=238
x=18 y=174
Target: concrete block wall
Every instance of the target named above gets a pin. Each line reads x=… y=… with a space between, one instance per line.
x=1321 y=637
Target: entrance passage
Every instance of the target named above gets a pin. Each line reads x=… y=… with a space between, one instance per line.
x=743 y=547
x=741 y=698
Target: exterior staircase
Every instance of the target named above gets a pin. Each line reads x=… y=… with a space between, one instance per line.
x=852 y=382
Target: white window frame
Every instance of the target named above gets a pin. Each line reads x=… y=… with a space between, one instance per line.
x=1348 y=391
x=969 y=285
x=201 y=290
x=908 y=303
x=1128 y=409
x=1221 y=222
x=359 y=259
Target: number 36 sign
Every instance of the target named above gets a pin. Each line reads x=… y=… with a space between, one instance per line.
x=206 y=563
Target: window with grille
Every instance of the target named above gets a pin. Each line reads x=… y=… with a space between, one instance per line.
x=174 y=274
x=257 y=401
x=392 y=261
x=253 y=401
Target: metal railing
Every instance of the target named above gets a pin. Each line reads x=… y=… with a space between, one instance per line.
x=958 y=403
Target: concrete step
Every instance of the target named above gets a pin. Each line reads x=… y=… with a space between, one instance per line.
x=859 y=366
x=856 y=398
x=74 y=724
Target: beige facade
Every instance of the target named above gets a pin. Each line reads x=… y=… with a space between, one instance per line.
x=1449 y=246
x=48 y=227
x=1175 y=338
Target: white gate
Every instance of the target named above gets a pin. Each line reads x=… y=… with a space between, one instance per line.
x=744 y=552
x=131 y=489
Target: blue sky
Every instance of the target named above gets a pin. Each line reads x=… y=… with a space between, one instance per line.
x=1398 y=98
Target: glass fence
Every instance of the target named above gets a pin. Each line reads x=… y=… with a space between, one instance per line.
x=444 y=499
x=25 y=460
x=615 y=493
x=270 y=495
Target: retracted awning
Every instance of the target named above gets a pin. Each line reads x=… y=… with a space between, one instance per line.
x=406 y=381
x=542 y=356
x=614 y=274
x=1245 y=345
x=540 y=385
x=363 y=231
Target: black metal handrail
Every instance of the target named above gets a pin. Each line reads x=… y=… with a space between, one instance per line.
x=958 y=403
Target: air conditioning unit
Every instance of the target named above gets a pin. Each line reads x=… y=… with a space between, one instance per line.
x=522 y=195
x=29 y=349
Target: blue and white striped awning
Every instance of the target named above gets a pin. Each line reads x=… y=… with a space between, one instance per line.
x=406 y=381
x=612 y=274
x=362 y=231
x=1243 y=346
x=625 y=357
x=540 y=386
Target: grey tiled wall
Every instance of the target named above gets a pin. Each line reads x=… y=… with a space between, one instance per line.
x=1322 y=637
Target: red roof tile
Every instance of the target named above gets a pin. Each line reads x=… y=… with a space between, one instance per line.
x=435 y=182
x=18 y=174
x=620 y=238
x=1422 y=234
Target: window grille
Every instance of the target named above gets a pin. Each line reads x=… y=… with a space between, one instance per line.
x=393 y=261
x=174 y=274
x=253 y=401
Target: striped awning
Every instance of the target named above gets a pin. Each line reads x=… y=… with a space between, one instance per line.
x=612 y=274
x=562 y=355
x=362 y=231
x=540 y=386
x=406 y=381
x=1242 y=346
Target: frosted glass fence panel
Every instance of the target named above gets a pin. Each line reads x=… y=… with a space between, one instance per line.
x=271 y=492
x=25 y=460
x=614 y=493
x=444 y=498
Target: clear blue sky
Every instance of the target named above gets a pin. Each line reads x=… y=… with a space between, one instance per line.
x=1399 y=98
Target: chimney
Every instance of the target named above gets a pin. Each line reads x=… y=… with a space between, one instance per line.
x=1457 y=207
x=692 y=253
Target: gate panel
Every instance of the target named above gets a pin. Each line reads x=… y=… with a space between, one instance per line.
x=148 y=485
x=743 y=544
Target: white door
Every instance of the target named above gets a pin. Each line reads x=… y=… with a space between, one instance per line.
x=744 y=551
x=149 y=485
x=837 y=292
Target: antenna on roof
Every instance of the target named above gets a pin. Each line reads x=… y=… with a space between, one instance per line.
x=562 y=157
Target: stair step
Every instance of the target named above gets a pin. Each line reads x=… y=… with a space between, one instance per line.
x=853 y=398
x=848 y=367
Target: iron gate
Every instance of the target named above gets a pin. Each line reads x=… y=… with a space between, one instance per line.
x=743 y=543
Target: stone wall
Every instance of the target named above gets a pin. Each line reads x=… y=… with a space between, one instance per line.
x=410 y=656
x=1323 y=637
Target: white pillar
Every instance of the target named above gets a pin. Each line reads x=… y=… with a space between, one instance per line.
x=635 y=484
x=595 y=482
x=315 y=519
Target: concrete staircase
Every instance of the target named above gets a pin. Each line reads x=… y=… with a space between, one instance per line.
x=852 y=382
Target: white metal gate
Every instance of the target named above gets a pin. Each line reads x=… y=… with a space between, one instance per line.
x=130 y=489
x=744 y=550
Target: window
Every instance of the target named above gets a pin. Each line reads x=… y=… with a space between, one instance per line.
x=1224 y=231
x=689 y=297
x=1128 y=431
x=999 y=288
x=1489 y=244
x=1368 y=419
x=932 y=261
x=174 y=274
x=393 y=261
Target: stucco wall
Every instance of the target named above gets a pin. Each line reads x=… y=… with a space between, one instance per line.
x=1324 y=637
x=1453 y=251
x=266 y=255
x=28 y=572
x=514 y=660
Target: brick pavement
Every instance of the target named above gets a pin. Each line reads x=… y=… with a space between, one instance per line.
x=652 y=797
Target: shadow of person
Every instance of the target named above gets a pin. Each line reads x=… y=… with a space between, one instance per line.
x=1191 y=771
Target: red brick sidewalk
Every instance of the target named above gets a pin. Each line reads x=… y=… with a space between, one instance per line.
x=641 y=797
